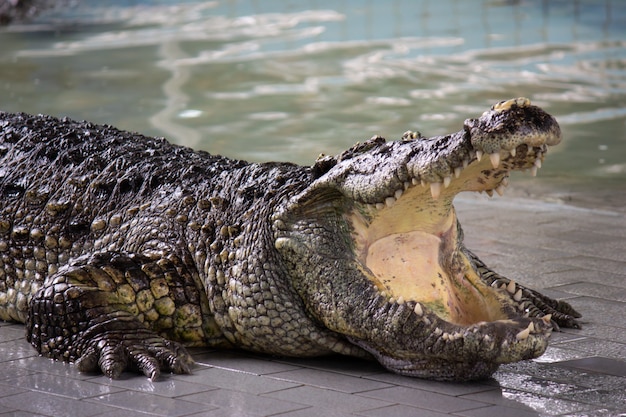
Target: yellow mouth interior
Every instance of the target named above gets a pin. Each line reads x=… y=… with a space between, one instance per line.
x=411 y=252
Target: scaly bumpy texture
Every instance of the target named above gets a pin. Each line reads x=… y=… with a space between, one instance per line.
x=117 y=250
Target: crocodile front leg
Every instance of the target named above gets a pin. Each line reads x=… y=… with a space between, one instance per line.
x=528 y=302
x=117 y=311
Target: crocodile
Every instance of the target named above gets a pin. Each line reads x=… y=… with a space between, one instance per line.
x=120 y=251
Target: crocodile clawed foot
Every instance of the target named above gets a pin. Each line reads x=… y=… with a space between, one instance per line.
x=114 y=352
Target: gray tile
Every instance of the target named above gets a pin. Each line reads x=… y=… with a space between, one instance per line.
x=319 y=397
x=449 y=388
x=423 y=399
x=71 y=388
x=597 y=263
x=16 y=349
x=596 y=364
x=9 y=371
x=330 y=380
x=165 y=386
x=237 y=381
x=498 y=411
x=598 y=347
x=11 y=331
x=315 y=412
x=49 y=366
x=148 y=403
x=8 y=390
x=241 y=361
x=545 y=404
x=52 y=405
x=243 y=403
x=400 y=410
x=340 y=364
x=597 y=290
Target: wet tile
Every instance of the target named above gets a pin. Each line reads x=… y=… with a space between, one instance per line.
x=498 y=411
x=578 y=274
x=340 y=364
x=71 y=388
x=52 y=405
x=528 y=383
x=6 y=390
x=147 y=403
x=596 y=364
x=16 y=349
x=12 y=331
x=596 y=263
x=596 y=290
x=545 y=404
x=9 y=371
x=400 y=410
x=243 y=403
x=313 y=396
x=316 y=412
x=449 y=388
x=598 y=347
x=240 y=361
x=423 y=399
x=237 y=381
x=612 y=398
x=165 y=386
x=330 y=380
x=49 y=366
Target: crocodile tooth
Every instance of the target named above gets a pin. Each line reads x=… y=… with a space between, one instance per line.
x=423 y=183
x=500 y=190
x=415 y=181
x=479 y=155
x=523 y=334
x=533 y=171
x=406 y=185
x=511 y=287
x=465 y=163
x=398 y=194
x=489 y=193
x=495 y=159
x=390 y=201
x=400 y=300
x=537 y=163
x=391 y=300
x=547 y=319
x=435 y=189
x=505 y=181
x=380 y=206
x=457 y=172
x=446 y=181
x=513 y=152
x=518 y=295
x=438 y=331
x=418 y=309
x=531 y=327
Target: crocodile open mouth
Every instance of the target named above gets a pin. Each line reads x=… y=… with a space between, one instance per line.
x=410 y=245
x=409 y=242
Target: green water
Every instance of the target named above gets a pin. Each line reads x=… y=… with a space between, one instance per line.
x=287 y=80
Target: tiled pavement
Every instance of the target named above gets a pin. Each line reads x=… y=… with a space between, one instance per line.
x=568 y=252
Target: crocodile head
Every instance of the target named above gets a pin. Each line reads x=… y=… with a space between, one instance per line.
x=375 y=250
